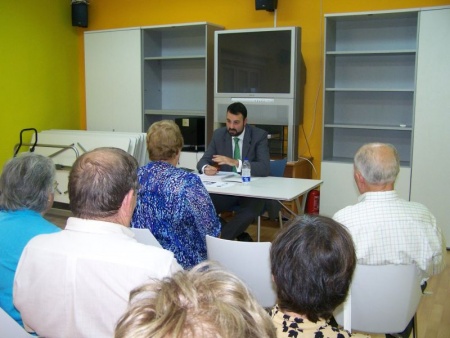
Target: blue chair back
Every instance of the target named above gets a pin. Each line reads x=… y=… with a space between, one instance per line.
x=277 y=167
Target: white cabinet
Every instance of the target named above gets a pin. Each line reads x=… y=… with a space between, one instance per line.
x=339 y=188
x=190 y=159
x=430 y=182
x=137 y=76
x=370 y=64
x=113 y=74
x=386 y=80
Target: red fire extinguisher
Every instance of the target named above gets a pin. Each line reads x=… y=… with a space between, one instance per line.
x=313 y=202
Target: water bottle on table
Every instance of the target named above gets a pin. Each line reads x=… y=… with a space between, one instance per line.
x=246 y=172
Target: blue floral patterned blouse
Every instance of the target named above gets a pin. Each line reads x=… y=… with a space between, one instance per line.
x=177 y=209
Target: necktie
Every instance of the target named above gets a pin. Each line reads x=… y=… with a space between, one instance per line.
x=237 y=151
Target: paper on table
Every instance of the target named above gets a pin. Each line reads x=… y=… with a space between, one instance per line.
x=221 y=176
x=218 y=184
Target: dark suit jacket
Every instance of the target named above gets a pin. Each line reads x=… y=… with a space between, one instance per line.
x=255 y=148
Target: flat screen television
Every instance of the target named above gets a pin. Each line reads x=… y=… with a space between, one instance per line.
x=258 y=62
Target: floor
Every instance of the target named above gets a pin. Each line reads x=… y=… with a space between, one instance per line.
x=433 y=315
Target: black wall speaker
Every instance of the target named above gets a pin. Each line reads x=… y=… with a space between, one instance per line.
x=268 y=5
x=80 y=14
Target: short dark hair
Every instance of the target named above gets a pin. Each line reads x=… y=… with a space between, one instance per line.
x=99 y=181
x=312 y=259
x=237 y=108
x=27 y=182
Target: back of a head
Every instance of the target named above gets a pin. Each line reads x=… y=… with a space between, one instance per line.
x=378 y=163
x=206 y=301
x=99 y=181
x=312 y=262
x=26 y=183
x=164 y=140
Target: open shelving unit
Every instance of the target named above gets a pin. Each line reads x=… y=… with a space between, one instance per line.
x=370 y=63
x=178 y=73
x=369 y=94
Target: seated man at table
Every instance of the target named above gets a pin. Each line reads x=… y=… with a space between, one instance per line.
x=228 y=147
x=76 y=283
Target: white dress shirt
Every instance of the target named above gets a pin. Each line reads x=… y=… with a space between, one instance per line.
x=76 y=283
x=389 y=230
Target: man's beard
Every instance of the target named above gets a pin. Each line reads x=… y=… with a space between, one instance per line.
x=234 y=132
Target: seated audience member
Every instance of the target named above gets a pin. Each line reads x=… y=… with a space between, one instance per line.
x=387 y=229
x=173 y=203
x=312 y=262
x=26 y=193
x=206 y=301
x=76 y=283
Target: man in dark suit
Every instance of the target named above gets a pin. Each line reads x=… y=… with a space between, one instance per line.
x=222 y=155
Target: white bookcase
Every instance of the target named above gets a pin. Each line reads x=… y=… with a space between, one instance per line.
x=370 y=63
x=370 y=75
x=137 y=76
x=386 y=80
x=178 y=72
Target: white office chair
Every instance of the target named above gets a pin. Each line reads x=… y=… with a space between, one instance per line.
x=250 y=261
x=382 y=299
x=9 y=327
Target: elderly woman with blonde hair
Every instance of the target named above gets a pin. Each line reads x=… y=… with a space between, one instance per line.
x=206 y=301
x=173 y=203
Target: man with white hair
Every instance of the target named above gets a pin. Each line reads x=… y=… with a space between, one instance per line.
x=385 y=228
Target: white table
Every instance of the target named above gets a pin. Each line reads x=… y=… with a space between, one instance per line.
x=272 y=188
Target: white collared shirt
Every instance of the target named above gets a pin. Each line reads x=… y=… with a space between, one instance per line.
x=389 y=230
x=76 y=283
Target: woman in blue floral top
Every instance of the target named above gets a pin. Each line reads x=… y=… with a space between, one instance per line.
x=172 y=203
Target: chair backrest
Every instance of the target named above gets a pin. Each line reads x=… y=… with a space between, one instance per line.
x=250 y=261
x=382 y=299
x=144 y=236
x=277 y=167
x=10 y=328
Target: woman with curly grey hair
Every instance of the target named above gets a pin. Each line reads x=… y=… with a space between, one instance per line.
x=26 y=193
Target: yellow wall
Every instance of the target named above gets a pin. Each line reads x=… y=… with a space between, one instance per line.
x=39 y=66
x=42 y=64
x=237 y=14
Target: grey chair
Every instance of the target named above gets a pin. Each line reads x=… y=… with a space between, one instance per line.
x=382 y=299
x=9 y=327
x=250 y=261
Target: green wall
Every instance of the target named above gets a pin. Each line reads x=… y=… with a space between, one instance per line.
x=39 y=69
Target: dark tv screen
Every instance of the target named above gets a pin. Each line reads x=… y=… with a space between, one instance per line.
x=254 y=62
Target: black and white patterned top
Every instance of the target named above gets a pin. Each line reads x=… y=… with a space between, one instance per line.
x=296 y=327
